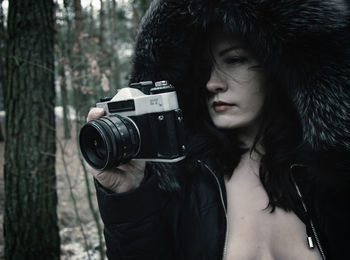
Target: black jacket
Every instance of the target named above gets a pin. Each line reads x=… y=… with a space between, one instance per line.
x=305 y=48
x=150 y=223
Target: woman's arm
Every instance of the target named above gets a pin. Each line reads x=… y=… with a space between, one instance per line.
x=132 y=208
x=136 y=226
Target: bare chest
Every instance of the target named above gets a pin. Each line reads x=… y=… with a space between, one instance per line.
x=256 y=233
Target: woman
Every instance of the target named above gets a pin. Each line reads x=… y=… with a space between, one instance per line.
x=264 y=87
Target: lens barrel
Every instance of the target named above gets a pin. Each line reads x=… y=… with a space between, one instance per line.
x=108 y=141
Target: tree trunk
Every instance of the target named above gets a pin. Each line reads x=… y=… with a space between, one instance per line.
x=2 y=64
x=139 y=8
x=114 y=39
x=64 y=101
x=102 y=28
x=2 y=54
x=79 y=66
x=143 y=6
x=64 y=44
x=135 y=17
x=78 y=21
x=30 y=217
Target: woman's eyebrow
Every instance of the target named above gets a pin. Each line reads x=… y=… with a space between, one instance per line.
x=231 y=48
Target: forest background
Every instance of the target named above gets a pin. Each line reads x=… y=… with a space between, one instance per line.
x=57 y=58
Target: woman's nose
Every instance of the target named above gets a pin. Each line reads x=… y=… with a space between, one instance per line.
x=215 y=83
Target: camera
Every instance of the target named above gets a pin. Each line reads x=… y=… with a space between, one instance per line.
x=142 y=121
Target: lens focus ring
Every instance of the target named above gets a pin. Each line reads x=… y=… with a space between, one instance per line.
x=109 y=141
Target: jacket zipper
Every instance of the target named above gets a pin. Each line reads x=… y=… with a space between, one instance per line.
x=222 y=203
x=314 y=232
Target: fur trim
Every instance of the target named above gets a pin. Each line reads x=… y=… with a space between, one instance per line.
x=304 y=44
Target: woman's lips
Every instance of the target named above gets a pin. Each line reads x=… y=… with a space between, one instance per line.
x=220 y=106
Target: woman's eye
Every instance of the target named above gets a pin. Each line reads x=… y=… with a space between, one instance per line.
x=235 y=60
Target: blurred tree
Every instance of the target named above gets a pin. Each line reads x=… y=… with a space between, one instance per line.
x=64 y=98
x=143 y=6
x=93 y=57
x=63 y=46
x=115 y=64
x=78 y=19
x=30 y=217
x=2 y=63
x=139 y=8
x=135 y=16
x=2 y=54
x=102 y=27
x=79 y=63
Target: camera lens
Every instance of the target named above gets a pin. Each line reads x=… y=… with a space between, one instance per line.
x=109 y=141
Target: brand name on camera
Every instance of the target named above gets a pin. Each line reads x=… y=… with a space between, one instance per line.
x=155 y=102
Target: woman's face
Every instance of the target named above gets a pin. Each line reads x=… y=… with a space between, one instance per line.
x=235 y=86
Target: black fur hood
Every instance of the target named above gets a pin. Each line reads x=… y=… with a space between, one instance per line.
x=305 y=45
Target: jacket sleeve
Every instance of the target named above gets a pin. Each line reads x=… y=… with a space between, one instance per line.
x=135 y=223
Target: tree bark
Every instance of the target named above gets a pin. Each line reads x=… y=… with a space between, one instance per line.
x=2 y=64
x=139 y=8
x=135 y=17
x=64 y=101
x=2 y=53
x=79 y=65
x=78 y=21
x=30 y=217
x=102 y=28
x=114 y=40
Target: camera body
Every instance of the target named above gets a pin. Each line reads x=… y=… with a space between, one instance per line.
x=143 y=121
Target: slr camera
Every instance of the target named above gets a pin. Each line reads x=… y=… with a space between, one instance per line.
x=142 y=121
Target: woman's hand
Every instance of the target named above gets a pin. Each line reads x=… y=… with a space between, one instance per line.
x=123 y=178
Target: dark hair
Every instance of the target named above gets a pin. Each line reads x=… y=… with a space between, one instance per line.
x=281 y=137
x=280 y=132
